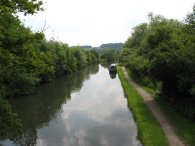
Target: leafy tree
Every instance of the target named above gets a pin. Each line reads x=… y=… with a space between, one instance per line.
x=108 y=55
x=163 y=51
x=124 y=53
x=94 y=56
x=15 y=6
x=137 y=36
x=190 y=21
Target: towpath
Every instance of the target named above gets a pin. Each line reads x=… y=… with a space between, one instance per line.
x=158 y=113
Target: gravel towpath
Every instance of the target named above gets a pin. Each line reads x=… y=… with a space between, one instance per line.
x=158 y=113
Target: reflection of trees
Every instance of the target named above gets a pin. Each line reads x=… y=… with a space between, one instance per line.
x=10 y=124
x=106 y=64
x=94 y=68
x=27 y=138
x=112 y=74
x=38 y=109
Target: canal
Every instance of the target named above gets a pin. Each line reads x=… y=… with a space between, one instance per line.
x=87 y=108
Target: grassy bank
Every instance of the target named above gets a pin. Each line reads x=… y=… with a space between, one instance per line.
x=184 y=127
x=149 y=129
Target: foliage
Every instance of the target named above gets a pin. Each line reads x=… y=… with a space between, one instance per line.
x=190 y=21
x=163 y=50
x=27 y=58
x=107 y=55
x=15 y=6
x=9 y=122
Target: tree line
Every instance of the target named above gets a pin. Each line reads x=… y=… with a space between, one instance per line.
x=27 y=58
x=162 y=54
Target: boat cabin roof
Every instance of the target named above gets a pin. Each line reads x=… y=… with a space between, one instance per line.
x=113 y=65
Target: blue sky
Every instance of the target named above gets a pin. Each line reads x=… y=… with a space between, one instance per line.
x=94 y=22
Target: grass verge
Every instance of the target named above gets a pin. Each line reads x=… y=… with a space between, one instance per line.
x=149 y=130
x=184 y=127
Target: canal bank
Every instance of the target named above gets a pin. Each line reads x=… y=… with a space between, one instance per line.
x=150 y=131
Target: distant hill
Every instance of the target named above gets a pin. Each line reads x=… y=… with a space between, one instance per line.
x=86 y=47
x=116 y=46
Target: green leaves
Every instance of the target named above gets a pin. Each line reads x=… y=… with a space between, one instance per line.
x=26 y=59
x=107 y=55
x=190 y=20
x=15 y=6
x=163 y=50
x=9 y=122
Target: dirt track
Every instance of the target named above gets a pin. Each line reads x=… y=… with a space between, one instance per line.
x=158 y=113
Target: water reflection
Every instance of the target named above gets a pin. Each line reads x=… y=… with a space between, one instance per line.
x=106 y=64
x=71 y=112
x=112 y=75
x=45 y=104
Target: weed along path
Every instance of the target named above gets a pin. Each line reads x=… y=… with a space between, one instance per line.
x=167 y=127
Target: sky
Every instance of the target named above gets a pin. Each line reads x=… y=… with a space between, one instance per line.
x=95 y=22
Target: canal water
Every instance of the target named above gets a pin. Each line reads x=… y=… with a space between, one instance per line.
x=87 y=108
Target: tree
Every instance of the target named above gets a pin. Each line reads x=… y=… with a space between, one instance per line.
x=190 y=20
x=15 y=6
x=137 y=36
x=163 y=52
x=108 y=55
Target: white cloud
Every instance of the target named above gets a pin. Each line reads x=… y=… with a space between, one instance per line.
x=101 y=21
